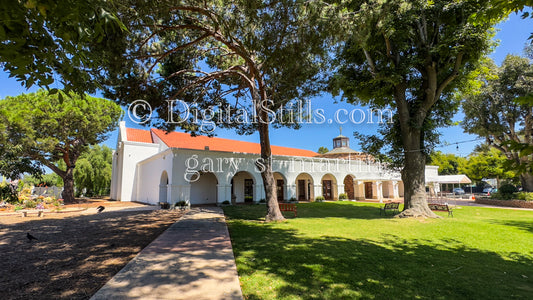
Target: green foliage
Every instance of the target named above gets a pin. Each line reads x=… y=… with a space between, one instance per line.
x=507 y=189
x=51 y=130
x=488 y=163
x=449 y=164
x=320 y=198
x=44 y=40
x=527 y=196
x=50 y=179
x=323 y=150
x=499 y=112
x=12 y=163
x=93 y=171
x=7 y=193
x=343 y=196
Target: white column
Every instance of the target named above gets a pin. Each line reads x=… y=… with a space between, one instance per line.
x=379 y=188
x=223 y=193
x=259 y=192
x=395 y=191
x=318 y=190
x=179 y=193
x=290 y=191
x=340 y=190
x=359 y=190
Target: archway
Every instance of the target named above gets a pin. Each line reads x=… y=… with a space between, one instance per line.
x=329 y=187
x=163 y=188
x=304 y=187
x=281 y=187
x=242 y=187
x=204 y=190
x=387 y=189
x=349 y=186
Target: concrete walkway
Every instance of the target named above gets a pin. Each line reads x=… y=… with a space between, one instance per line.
x=192 y=259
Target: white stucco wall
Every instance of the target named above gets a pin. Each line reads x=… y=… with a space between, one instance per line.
x=129 y=155
x=149 y=172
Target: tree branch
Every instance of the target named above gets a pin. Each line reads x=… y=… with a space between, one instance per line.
x=370 y=63
x=452 y=76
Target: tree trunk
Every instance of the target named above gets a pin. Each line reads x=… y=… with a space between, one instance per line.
x=273 y=212
x=413 y=177
x=68 y=185
x=527 y=182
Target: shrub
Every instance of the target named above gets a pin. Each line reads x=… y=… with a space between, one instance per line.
x=7 y=194
x=30 y=203
x=320 y=198
x=292 y=199
x=507 y=188
x=262 y=200
x=226 y=202
x=524 y=196
x=343 y=196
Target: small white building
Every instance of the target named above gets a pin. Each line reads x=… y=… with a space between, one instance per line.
x=151 y=166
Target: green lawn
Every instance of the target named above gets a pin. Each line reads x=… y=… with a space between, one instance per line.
x=345 y=250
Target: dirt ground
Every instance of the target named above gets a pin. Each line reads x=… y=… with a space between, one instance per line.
x=75 y=253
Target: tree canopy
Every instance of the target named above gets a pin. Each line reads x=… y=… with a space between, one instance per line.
x=43 y=40
x=234 y=66
x=48 y=130
x=495 y=113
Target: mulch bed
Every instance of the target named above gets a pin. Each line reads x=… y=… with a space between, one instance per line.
x=75 y=254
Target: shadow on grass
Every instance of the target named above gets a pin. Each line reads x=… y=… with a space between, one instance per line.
x=344 y=209
x=280 y=263
x=74 y=256
x=523 y=225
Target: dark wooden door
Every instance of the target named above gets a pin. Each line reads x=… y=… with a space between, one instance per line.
x=301 y=190
x=279 y=189
x=326 y=189
x=368 y=190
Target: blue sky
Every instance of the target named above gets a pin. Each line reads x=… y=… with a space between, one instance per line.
x=512 y=34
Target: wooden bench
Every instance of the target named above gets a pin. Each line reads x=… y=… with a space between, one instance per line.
x=288 y=207
x=441 y=207
x=392 y=206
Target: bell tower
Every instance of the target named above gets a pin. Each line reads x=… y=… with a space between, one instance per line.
x=341 y=141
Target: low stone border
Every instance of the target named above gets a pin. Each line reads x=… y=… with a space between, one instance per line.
x=508 y=203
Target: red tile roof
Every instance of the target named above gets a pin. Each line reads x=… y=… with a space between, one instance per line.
x=138 y=135
x=186 y=141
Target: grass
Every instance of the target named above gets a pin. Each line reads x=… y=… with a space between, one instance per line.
x=345 y=250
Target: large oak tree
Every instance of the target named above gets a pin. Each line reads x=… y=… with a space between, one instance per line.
x=411 y=56
x=242 y=61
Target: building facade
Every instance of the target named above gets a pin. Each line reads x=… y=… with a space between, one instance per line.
x=151 y=166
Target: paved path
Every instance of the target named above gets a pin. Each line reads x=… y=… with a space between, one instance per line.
x=192 y=259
